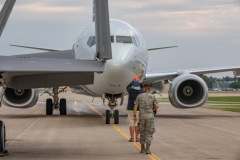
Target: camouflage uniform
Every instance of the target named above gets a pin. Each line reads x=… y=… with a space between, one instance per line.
x=146 y=102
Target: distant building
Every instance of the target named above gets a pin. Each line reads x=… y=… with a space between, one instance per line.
x=221 y=85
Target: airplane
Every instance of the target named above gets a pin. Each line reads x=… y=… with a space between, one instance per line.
x=107 y=55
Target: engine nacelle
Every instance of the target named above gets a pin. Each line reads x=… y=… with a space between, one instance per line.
x=20 y=98
x=188 y=91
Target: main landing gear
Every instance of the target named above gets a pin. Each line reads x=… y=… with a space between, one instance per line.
x=112 y=104
x=55 y=104
x=3 y=151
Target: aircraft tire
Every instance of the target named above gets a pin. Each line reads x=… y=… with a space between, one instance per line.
x=108 y=116
x=49 y=107
x=63 y=106
x=2 y=138
x=116 y=117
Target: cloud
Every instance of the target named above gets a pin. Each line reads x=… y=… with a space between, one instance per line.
x=44 y=7
x=184 y=18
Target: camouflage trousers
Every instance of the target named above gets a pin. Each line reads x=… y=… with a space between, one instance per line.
x=146 y=129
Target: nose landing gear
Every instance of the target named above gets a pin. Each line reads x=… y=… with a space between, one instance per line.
x=55 y=104
x=112 y=113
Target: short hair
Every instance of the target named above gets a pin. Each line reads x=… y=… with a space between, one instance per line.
x=147 y=85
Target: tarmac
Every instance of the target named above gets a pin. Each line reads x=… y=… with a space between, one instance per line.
x=181 y=134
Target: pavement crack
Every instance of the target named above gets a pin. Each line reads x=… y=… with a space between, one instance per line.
x=24 y=130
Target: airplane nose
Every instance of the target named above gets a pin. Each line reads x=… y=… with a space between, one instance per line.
x=118 y=68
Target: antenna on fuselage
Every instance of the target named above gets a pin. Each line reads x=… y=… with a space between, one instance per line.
x=5 y=13
x=102 y=28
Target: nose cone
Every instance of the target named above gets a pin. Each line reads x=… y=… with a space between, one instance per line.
x=118 y=68
x=121 y=52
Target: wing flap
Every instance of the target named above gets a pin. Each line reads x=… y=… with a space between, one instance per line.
x=25 y=80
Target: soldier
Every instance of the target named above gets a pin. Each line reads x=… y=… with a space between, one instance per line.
x=147 y=103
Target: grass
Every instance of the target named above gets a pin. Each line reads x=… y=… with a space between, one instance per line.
x=163 y=99
x=232 y=99
x=225 y=103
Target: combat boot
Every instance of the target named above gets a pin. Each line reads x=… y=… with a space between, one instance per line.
x=142 y=148
x=148 y=149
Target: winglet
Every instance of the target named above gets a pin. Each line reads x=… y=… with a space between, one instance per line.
x=102 y=24
x=5 y=13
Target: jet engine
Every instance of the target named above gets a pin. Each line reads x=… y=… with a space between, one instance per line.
x=188 y=91
x=20 y=98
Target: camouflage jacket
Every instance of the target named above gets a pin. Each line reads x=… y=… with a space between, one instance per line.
x=146 y=102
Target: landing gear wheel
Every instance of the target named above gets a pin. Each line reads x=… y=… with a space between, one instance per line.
x=108 y=116
x=63 y=106
x=116 y=117
x=2 y=139
x=49 y=107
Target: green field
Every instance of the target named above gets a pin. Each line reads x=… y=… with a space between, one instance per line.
x=228 y=99
x=226 y=103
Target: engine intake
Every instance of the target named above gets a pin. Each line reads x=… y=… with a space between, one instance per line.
x=20 y=98
x=188 y=91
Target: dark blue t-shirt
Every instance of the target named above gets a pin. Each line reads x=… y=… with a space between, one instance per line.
x=132 y=96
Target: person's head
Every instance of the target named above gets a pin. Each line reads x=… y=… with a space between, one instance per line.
x=146 y=87
x=136 y=85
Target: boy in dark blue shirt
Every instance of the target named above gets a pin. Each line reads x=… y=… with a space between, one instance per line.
x=134 y=89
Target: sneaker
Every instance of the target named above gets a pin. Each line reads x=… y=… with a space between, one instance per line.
x=131 y=140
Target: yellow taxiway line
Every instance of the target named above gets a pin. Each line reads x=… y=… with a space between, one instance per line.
x=124 y=134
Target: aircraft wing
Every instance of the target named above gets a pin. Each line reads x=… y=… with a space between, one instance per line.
x=67 y=54
x=157 y=76
x=25 y=72
x=57 y=68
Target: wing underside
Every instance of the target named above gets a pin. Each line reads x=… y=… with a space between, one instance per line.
x=157 y=76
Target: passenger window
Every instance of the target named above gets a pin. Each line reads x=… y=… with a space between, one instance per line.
x=136 y=41
x=123 y=39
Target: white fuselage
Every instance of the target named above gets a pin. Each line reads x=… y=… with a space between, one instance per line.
x=129 y=55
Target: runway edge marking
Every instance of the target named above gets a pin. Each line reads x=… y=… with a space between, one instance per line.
x=124 y=134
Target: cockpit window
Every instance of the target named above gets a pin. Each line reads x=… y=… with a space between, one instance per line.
x=123 y=39
x=112 y=39
x=136 y=41
x=92 y=41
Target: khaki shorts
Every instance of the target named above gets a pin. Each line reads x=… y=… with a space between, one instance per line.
x=130 y=119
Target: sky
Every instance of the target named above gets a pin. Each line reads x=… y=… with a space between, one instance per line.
x=207 y=32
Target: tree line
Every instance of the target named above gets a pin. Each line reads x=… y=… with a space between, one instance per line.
x=234 y=81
